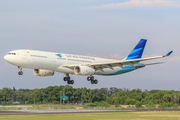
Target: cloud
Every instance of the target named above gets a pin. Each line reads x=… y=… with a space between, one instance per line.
x=141 y=4
x=175 y=58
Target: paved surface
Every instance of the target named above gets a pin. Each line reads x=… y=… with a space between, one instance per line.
x=62 y=111
x=68 y=111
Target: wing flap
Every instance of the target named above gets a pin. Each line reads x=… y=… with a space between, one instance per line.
x=154 y=63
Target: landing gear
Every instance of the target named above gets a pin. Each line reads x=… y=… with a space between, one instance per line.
x=91 y=78
x=70 y=82
x=68 y=79
x=20 y=71
x=94 y=82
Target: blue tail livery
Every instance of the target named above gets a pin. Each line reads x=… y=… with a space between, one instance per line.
x=138 y=50
x=169 y=53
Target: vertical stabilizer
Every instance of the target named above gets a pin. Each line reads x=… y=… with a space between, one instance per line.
x=138 y=50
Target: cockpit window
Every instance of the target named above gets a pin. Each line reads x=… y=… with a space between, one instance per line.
x=11 y=53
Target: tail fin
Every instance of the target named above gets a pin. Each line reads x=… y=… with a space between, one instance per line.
x=138 y=50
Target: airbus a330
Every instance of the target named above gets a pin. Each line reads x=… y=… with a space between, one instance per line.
x=46 y=63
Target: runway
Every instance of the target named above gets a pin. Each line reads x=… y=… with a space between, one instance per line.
x=73 y=111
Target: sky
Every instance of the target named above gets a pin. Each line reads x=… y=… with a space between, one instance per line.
x=103 y=28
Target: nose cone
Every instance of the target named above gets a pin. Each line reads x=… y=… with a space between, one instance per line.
x=6 y=57
x=9 y=59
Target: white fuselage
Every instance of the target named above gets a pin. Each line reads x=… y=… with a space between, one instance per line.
x=55 y=61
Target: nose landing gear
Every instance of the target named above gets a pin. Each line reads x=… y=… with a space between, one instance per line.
x=20 y=71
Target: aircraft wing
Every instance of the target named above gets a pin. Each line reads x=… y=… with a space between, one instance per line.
x=154 y=63
x=99 y=66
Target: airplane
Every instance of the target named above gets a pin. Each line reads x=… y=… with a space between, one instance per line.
x=47 y=63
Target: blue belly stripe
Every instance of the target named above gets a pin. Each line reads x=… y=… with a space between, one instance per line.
x=124 y=70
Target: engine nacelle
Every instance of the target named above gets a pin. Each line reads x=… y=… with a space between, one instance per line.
x=43 y=73
x=84 y=70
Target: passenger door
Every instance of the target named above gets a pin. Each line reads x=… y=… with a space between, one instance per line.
x=24 y=55
x=54 y=57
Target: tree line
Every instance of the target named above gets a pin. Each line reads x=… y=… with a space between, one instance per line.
x=103 y=96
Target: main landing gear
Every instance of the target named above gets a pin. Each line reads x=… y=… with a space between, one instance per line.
x=91 y=78
x=20 y=71
x=68 y=79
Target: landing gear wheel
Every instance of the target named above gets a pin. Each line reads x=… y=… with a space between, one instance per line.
x=20 y=72
x=95 y=81
x=69 y=82
x=72 y=82
x=92 y=78
x=68 y=78
x=65 y=78
x=92 y=81
x=88 y=78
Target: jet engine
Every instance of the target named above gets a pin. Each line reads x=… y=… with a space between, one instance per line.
x=43 y=73
x=84 y=70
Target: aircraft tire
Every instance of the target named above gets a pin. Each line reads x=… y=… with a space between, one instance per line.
x=69 y=82
x=95 y=81
x=92 y=81
x=88 y=78
x=72 y=82
x=92 y=78
x=20 y=72
x=65 y=78
x=68 y=78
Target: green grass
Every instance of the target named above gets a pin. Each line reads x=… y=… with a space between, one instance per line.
x=99 y=116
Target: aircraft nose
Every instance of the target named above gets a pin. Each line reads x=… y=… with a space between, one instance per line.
x=6 y=57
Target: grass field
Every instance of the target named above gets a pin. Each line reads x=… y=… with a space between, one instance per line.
x=99 y=116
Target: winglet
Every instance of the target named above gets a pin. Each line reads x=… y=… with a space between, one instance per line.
x=169 y=53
